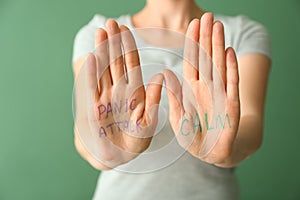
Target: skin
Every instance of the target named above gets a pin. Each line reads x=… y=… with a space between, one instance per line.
x=199 y=84
x=243 y=81
x=120 y=146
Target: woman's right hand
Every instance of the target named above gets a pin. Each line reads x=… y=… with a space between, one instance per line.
x=115 y=116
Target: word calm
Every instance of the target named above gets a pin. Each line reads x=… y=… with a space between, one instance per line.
x=189 y=126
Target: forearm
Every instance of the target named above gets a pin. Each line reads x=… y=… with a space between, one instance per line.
x=247 y=142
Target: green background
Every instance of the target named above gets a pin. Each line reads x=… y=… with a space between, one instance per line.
x=37 y=155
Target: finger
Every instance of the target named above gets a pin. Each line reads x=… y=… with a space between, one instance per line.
x=174 y=93
x=206 y=32
x=232 y=86
x=115 y=51
x=218 y=54
x=100 y=37
x=205 y=51
x=153 y=94
x=132 y=61
x=91 y=74
x=190 y=63
x=101 y=52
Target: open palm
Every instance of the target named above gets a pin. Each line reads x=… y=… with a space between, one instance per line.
x=115 y=116
x=205 y=108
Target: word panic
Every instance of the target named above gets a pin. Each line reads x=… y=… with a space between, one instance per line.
x=116 y=107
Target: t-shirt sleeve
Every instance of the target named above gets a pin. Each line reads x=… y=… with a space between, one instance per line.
x=84 y=39
x=253 y=38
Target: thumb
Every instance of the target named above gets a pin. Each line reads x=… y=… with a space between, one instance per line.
x=174 y=92
x=153 y=94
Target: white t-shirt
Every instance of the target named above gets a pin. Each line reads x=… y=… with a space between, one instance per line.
x=178 y=174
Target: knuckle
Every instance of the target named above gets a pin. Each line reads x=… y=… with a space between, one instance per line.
x=132 y=62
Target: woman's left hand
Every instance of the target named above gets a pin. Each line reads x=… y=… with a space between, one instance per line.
x=205 y=108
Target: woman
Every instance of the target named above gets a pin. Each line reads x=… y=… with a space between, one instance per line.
x=237 y=85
